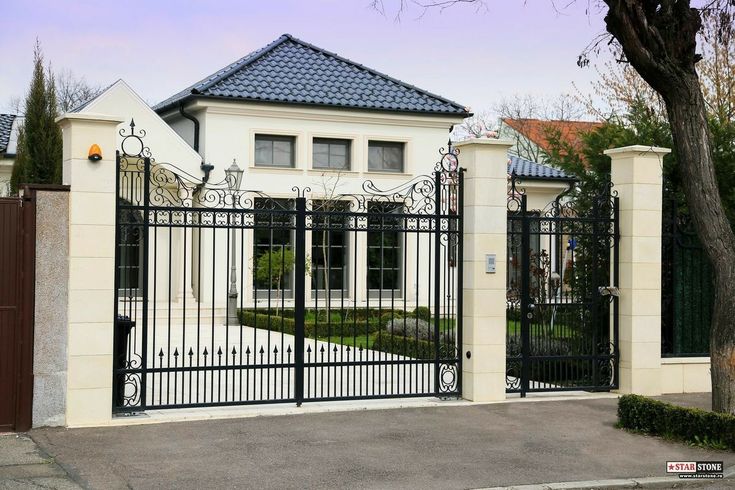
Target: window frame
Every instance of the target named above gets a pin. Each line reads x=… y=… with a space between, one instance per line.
x=329 y=140
x=273 y=137
x=399 y=251
x=385 y=143
x=288 y=284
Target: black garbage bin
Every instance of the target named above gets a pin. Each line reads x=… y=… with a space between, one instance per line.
x=123 y=326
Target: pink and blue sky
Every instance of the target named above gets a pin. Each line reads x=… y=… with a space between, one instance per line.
x=475 y=57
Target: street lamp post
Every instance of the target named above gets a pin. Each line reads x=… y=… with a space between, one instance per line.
x=233 y=175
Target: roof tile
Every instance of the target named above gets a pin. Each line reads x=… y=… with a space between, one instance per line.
x=536 y=171
x=6 y=124
x=291 y=71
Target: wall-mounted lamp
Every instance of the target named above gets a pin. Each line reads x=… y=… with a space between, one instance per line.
x=95 y=153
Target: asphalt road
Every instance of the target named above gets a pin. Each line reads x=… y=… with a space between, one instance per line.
x=445 y=447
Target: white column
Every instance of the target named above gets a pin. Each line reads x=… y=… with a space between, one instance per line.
x=637 y=175
x=91 y=265
x=485 y=232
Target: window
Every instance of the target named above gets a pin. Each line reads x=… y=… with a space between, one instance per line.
x=130 y=252
x=385 y=156
x=515 y=251
x=329 y=259
x=274 y=151
x=273 y=251
x=385 y=250
x=331 y=153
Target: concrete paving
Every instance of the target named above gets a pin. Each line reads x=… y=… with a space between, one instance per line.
x=443 y=447
x=24 y=466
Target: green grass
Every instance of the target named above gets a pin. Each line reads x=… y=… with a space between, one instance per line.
x=560 y=331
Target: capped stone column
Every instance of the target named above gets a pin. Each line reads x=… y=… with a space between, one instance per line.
x=90 y=311
x=484 y=292
x=637 y=173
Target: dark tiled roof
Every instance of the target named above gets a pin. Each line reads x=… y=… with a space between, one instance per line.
x=536 y=171
x=6 y=124
x=292 y=71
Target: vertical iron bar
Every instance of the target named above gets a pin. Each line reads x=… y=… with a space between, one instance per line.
x=299 y=296
x=616 y=283
x=437 y=274
x=460 y=277
x=118 y=380
x=144 y=306
x=525 y=294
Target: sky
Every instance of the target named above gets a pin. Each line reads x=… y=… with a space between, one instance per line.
x=473 y=55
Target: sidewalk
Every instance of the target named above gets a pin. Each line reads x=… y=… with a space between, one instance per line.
x=23 y=465
x=443 y=447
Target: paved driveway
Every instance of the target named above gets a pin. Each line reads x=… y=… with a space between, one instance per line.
x=446 y=447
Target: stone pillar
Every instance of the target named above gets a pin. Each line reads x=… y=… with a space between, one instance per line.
x=637 y=174
x=91 y=265
x=485 y=232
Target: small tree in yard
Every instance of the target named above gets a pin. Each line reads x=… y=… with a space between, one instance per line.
x=271 y=268
x=38 y=157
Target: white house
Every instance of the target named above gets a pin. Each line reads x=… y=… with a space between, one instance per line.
x=290 y=115
x=294 y=115
x=8 y=143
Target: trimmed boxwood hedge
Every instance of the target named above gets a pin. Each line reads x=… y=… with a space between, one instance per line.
x=407 y=347
x=691 y=425
x=286 y=324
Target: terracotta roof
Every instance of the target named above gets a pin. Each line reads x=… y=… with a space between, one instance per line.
x=537 y=129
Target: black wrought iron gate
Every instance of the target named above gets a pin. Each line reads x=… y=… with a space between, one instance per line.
x=229 y=297
x=562 y=331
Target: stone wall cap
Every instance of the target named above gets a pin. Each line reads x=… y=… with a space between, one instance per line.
x=86 y=116
x=641 y=150
x=485 y=141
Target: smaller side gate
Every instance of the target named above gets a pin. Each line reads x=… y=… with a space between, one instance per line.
x=562 y=332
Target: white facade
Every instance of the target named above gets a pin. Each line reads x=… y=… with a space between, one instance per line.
x=227 y=133
x=8 y=158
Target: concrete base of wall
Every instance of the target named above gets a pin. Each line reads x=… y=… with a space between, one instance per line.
x=685 y=375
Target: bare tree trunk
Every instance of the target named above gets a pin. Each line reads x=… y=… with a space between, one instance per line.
x=659 y=39
x=687 y=114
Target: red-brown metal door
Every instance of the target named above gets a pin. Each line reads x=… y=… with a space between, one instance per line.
x=16 y=307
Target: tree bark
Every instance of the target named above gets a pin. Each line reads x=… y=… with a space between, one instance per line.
x=659 y=41
x=691 y=138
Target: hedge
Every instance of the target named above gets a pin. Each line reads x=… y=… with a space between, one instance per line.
x=279 y=323
x=691 y=425
x=407 y=347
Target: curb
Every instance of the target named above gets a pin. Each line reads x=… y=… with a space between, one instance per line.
x=646 y=482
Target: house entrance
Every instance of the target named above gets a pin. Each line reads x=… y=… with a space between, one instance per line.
x=562 y=321
x=240 y=297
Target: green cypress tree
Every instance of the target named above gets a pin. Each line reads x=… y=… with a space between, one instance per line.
x=38 y=157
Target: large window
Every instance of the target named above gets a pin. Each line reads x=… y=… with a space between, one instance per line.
x=274 y=151
x=331 y=153
x=385 y=156
x=130 y=252
x=385 y=250
x=329 y=258
x=273 y=251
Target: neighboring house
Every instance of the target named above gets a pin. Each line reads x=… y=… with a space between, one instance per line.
x=8 y=142
x=292 y=114
x=531 y=135
x=542 y=185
